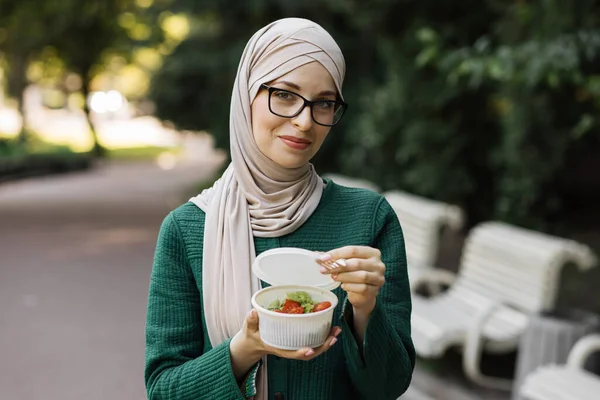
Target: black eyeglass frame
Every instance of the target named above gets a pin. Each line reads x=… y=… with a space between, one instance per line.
x=310 y=103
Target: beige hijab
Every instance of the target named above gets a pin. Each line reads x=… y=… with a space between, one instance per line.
x=255 y=196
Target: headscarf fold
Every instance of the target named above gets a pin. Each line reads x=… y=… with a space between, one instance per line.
x=255 y=196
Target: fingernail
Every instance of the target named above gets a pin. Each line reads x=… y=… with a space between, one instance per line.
x=310 y=353
x=249 y=313
x=334 y=277
x=325 y=257
x=323 y=270
x=332 y=342
x=337 y=332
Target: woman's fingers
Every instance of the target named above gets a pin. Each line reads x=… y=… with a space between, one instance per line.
x=356 y=264
x=365 y=277
x=330 y=341
x=252 y=321
x=361 y=289
x=348 y=252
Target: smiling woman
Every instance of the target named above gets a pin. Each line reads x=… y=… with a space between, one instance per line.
x=202 y=335
x=284 y=128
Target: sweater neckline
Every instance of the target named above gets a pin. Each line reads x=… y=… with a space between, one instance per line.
x=330 y=188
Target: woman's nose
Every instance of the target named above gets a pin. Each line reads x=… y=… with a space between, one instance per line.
x=303 y=121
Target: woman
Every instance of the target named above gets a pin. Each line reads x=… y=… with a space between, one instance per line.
x=202 y=338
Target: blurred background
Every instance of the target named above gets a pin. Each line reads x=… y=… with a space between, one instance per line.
x=114 y=112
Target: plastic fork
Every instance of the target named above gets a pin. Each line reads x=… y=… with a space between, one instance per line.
x=330 y=264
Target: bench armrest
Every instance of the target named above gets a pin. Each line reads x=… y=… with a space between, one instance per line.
x=582 y=349
x=473 y=348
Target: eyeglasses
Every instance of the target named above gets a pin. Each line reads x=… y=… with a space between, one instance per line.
x=286 y=104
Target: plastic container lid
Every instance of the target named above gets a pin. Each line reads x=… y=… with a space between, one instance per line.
x=291 y=266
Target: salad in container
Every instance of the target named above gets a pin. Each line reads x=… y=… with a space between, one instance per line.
x=296 y=311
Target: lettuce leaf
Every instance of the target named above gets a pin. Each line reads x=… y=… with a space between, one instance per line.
x=304 y=299
x=275 y=305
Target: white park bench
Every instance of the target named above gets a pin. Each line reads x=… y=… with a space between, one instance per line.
x=565 y=382
x=506 y=273
x=352 y=182
x=423 y=221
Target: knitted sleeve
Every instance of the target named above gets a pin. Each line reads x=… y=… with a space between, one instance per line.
x=176 y=367
x=384 y=370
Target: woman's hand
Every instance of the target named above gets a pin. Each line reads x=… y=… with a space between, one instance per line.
x=247 y=348
x=361 y=272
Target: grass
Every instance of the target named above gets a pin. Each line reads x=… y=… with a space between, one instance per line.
x=14 y=149
x=35 y=156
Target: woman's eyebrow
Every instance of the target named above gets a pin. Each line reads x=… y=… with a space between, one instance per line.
x=294 y=86
x=290 y=84
x=327 y=93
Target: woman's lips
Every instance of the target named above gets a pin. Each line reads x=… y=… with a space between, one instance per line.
x=295 y=143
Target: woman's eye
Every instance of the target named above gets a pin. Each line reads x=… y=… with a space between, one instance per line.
x=284 y=96
x=324 y=105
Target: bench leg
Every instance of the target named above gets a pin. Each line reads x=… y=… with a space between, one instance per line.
x=473 y=351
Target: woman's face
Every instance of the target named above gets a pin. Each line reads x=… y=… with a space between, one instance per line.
x=292 y=142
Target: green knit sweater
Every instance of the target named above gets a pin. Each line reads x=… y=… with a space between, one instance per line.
x=181 y=364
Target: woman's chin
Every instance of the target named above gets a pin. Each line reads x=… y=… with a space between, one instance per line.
x=291 y=162
x=288 y=158
x=292 y=165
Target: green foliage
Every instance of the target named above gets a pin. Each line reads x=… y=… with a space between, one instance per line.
x=188 y=91
x=12 y=148
x=80 y=30
x=491 y=105
x=79 y=33
x=139 y=153
x=33 y=157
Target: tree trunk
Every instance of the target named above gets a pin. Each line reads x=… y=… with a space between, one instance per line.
x=98 y=150
x=16 y=85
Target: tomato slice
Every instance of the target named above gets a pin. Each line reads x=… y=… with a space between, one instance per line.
x=296 y=310
x=289 y=305
x=324 y=305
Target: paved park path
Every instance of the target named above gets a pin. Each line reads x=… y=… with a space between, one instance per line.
x=75 y=257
